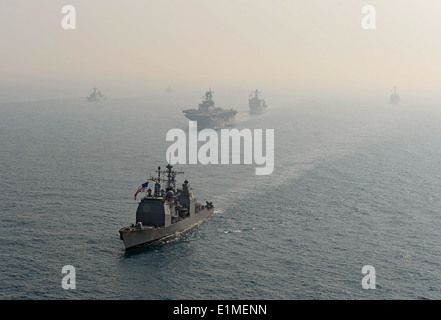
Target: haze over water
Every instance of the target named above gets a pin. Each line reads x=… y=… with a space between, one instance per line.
x=354 y=184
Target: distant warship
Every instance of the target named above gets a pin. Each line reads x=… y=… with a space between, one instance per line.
x=256 y=104
x=165 y=212
x=209 y=116
x=394 y=97
x=169 y=90
x=96 y=96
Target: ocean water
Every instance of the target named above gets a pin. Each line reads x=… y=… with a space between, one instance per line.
x=354 y=184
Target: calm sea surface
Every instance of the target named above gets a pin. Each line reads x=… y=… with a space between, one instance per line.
x=354 y=184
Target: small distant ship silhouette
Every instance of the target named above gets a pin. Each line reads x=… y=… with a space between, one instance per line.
x=394 y=97
x=169 y=90
x=256 y=104
x=96 y=96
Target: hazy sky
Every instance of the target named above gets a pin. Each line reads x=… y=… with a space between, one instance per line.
x=247 y=43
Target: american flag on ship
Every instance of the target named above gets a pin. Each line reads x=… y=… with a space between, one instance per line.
x=142 y=188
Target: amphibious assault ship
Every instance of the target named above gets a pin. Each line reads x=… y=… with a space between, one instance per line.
x=96 y=96
x=209 y=116
x=394 y=97
x=256 y=104
x=164 y=212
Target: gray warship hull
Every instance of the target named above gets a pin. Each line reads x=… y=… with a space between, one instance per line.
x=214 y=121
x=257 y=109
x=95 y=99
x=133 y=236
x=394 y=99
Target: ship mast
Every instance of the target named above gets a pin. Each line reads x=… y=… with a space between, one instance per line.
x=169 y=179
x=208 y=95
